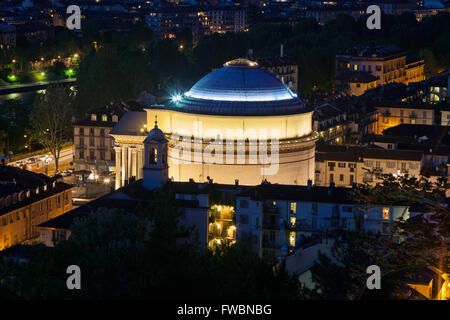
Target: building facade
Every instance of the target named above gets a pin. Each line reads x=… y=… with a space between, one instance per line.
x=344 y=166
x=387 y=63
x=391 y=115
x=93 y=145
x=26 y=200
x=276 y=220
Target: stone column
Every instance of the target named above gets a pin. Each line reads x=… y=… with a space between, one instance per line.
x=139 y=162
x=134 y=160
x=118 y=166
x=129 y=164
x=124 y=165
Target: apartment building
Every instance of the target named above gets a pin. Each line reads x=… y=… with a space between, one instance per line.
x=26 y=200
x=387 y=63
x=345 y=166
x=355 y=83
x=7 y=36
x=283 y=67
x=94 y=147
x=222 y=19
x=166 y=22
x=276 y=220
x=391 y=115
x=331 y=123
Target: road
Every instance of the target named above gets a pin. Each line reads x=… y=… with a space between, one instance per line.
x=44 y=163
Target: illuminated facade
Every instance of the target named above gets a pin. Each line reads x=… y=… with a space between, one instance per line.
x=241 y=110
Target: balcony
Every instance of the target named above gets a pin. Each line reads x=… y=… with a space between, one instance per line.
x=80 y=146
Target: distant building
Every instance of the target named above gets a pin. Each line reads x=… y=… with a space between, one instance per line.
x=222 y=19
x=445 y=117
x=166 y=22
x=345 y=166
x=327 y=13
x=26 y=200
x=437 y=88
x=355 y=83
x=36 y=33
x=285 y=69
x=391 y=115
x=387 y=63
x=7 y=36
x=93 y=146
x=331 y=123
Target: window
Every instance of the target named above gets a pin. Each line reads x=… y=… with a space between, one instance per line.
x=102 y=132
x=412 y=165
x=81 y=142
x=293 y=207
x=403 y=165
x=424 y=114
x=115 y=118
x=243 y=204
x=102 y=155
x=93 y=117
x=352 y=179
x=331 y=177
x=341 y=164
x=331 y=165
x=341 y=177
x=91 y=142
x=390 y=164
x=377 y=165
x=91 y=155
x=292 y=239
x=273 y=236
x=243 y=218
x=104 y=117
x=386 y=213
x=389 y=146
x=314 y=208
x=344 y=223
x=81 y=131
x=368 y=163
x=153 y=156
x=293 y=221
x=314 y=223
x=355 y=67
x=91 y=131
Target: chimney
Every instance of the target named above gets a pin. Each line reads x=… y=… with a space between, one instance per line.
x=309 y=184
x=281 y=51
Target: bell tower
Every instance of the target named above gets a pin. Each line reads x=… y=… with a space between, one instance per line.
x=156 y=169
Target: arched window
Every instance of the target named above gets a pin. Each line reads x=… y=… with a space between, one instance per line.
x=153 y=156
x=115 y=118
x=93 y=117
x=104 y=117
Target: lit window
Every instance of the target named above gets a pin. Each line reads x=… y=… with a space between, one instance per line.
x=293 y=207
x=292 y=239
x=104 y=117
x=386 y=213
x=93 y=117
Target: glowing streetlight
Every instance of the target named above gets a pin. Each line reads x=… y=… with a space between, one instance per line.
x=176 y=98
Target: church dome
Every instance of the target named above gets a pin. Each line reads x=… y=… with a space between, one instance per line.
x=240 y=87
x=155 y=135
x=240 y=80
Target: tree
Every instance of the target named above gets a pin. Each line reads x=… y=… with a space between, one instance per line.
x=50 y=118
x=137 y=255
x=13 y=121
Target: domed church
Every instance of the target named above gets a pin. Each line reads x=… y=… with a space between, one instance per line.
x=238 y=124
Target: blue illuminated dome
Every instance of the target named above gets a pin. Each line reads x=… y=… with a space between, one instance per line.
x=240 y=80
x=240 y=87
